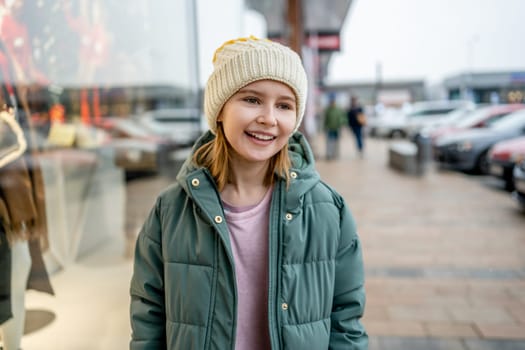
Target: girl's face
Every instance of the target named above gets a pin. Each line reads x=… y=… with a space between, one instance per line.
x=258 y=120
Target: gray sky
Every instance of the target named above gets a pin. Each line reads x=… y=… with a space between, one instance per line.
x=429 y=39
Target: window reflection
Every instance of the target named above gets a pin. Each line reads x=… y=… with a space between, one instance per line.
x=100 y=90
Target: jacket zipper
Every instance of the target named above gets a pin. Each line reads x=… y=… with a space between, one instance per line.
x=207 y=342
x=274 y=271
x=236 y=297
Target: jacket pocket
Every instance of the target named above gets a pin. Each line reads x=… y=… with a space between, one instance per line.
x=188 y=293
x=312 y=335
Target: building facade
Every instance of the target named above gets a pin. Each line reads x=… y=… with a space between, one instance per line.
x=487 y=87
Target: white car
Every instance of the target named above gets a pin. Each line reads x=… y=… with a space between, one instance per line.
x=389 y=123
x=431 y=113
x=410 y=120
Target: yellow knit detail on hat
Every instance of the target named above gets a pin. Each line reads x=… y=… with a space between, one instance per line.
x=233 y=41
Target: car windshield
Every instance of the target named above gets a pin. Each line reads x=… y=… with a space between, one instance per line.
x=512 y=121
x=430 y=112
x=457 y=115
x=473 y=118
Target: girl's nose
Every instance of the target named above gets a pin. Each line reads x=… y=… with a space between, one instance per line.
x=267 y=117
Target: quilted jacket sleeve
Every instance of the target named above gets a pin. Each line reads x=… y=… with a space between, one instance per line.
x=347 y=332
x=147 y=288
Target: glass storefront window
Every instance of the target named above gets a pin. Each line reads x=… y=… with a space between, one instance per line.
x=93 y=93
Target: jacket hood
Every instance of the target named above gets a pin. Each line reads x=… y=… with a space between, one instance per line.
x=301 y=155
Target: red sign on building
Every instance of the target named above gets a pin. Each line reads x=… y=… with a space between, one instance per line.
x=324 y=42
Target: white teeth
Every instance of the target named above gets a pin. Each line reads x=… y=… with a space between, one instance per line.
x=262 y=137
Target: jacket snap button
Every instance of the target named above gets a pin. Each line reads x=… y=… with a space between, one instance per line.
x=218 y=219
x=293 y=175
x=289 y=216
x=195 y=182
x=284 y=306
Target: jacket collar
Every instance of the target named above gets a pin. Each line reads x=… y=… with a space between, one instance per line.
x=303 y=165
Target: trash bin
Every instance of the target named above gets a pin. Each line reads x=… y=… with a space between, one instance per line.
x=423 y=154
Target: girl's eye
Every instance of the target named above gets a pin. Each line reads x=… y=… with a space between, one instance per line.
x=285 y=106
x=251 y=100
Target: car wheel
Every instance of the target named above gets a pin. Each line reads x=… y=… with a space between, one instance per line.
x=482 y=165
x=509 y=186
x=509 y=180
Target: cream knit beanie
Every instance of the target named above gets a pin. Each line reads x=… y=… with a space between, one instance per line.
x=240 y=62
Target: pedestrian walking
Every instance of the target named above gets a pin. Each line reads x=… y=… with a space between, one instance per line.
x=334 y=119
x=249 y=249
x=356 y=122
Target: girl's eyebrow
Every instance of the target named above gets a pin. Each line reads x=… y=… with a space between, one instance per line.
x=258 y=93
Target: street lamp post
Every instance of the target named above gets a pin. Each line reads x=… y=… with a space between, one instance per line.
x=467 y=91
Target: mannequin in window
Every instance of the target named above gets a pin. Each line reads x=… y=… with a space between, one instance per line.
x=21 y=264
x=23 y=226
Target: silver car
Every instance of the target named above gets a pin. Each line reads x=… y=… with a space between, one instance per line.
x=182 y=125
x=468 y=150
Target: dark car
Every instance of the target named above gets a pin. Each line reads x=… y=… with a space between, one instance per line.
x=468 y=150
x=519 y=183
x=503 y=156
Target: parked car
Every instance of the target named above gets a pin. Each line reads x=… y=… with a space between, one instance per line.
x=519 y=183
x=137 y=149
x=429 y=113
x=390 y=123
x=412 y=118
x=468 y=150
x=503 y=156
x=450 y=119
x=480 y=117
x=182 y=125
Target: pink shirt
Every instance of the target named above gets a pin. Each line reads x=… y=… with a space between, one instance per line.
x=249 y=239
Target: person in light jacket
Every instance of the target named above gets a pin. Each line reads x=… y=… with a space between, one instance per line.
x=249 y=248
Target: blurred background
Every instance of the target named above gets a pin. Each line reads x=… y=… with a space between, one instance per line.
x=109 y=97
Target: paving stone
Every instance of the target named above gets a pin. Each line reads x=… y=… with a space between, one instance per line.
x=399 y=328
x=426 y=343
x=517 y=310
x=502 y=331
x=451 y=330
x=418 y=313
x=480 y=344
x=404 y=343
x=485 y=315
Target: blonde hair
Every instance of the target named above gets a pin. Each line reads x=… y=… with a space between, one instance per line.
x=215 y=156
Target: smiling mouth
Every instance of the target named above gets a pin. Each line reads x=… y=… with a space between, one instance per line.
x=261 y=136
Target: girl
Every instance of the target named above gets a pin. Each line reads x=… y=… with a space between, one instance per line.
x=249 y=249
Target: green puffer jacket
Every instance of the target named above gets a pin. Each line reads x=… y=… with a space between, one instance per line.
x=183 y=290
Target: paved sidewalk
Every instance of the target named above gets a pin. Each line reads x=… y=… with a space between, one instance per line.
x=444 y=253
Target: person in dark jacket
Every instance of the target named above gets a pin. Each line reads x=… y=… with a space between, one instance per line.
x=249 y=249
x=356 y=122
